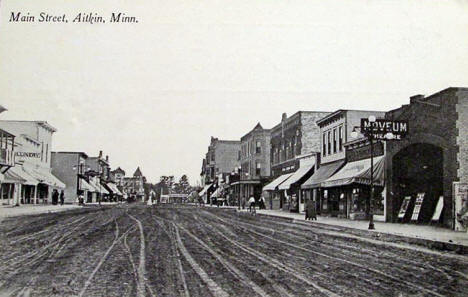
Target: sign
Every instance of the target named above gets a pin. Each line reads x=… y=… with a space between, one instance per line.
x=27 y=155
x=460 y=195
x=438 y=209
x=404 y=207
x=380 y=127
x=417 y=206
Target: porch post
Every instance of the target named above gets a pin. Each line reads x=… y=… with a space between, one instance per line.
x=35 y=195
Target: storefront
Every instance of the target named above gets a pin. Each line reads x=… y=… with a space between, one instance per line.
x=204 y=193
x=295 y=201
x=312 y=189
x=347 y=193
x=277 y=197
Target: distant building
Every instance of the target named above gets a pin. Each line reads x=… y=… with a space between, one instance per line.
x=220 y=161
x=255 y=164
x=118 y=176
x=134 y=186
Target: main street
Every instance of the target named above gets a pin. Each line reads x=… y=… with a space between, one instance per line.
x=136 y=250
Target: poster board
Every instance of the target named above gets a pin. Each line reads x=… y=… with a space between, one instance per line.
x=417 y=206
x=404 y=207
x=438 y=209
x=460 y=197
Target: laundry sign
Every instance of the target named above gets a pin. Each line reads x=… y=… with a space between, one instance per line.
x=28 y=155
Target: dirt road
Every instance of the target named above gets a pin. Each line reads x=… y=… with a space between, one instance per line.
x=188 y=251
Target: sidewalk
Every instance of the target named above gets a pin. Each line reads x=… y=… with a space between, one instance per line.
x=31 y=209
x=423 y=232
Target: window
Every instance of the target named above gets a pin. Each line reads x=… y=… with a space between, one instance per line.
x=258 y=168
x=47 y=152
x=324 y=142
x=258 y=148
x=341 y=138
x=334 y=141
x=212 y=156
x=329 y=142
x=287 y=150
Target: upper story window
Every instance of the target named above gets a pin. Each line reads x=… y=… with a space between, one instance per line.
x=287 y=151
x=334 y=141
x=329 y=142
x=258 y=168
x=258 y=147
x=340 y=135
x=324 y=144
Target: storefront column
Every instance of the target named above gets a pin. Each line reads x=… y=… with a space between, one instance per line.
x=35 y=195
x=11 y=191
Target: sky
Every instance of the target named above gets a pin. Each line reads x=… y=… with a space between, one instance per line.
x=152 y=93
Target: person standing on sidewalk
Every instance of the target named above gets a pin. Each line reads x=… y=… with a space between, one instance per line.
x=252 y=204
x=55 y=196
x=62 y=197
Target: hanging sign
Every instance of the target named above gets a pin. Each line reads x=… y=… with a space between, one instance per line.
x=417 y=206
x=438 y=209
x=404 y=207
x=381 y=127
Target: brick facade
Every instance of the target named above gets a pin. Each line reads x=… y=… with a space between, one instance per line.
x=439 y=123
x=222 y=158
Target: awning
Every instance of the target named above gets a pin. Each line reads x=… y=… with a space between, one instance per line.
x=202 y=192
x=114 y=188
x=98 y=188
x=86 y=186
x=275 y=183
x=323 y=173
x=296 y=176
x=217 y=193
x=45 y=177
x=358 y=172
x=17 y=174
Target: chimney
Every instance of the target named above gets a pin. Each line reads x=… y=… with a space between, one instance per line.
x=107 y=158
x=284 y=116
x=415 y=98
x=100 y=154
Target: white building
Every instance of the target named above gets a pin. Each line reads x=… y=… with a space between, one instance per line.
x=30 y=180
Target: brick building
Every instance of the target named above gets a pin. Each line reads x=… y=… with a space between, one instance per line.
x=221 y=159
x=336 y=198
x=255 y=164
x=295 y=141
x=432 y=159
x=71 y=168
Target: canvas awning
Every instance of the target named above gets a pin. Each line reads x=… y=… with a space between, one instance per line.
x=98 y=188
x=18 y=174
x=296 y=176
x=323 y=173
x=86 y=186
x=358 y=172
x=217 y=193
x=202 y=192
x=45 y=177
x=114 y=188
x=276 y=182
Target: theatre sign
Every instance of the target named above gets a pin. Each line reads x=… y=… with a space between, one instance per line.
x=380 y=128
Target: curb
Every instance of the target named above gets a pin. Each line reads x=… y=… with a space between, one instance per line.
x=381 y=236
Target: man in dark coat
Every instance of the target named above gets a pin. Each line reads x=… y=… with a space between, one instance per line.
x=55 y=196
x=310 y=212
x=62 y=197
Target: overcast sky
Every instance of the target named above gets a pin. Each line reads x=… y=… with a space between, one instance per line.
x=151 y=94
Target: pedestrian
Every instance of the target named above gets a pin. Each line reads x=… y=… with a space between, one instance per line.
x=262 y=202
x=62 y=197
x=81 y=199
x=310 y=212
x=252 y=204
x=55 y=196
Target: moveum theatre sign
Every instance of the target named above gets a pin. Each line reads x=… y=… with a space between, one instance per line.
x=381 y=127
